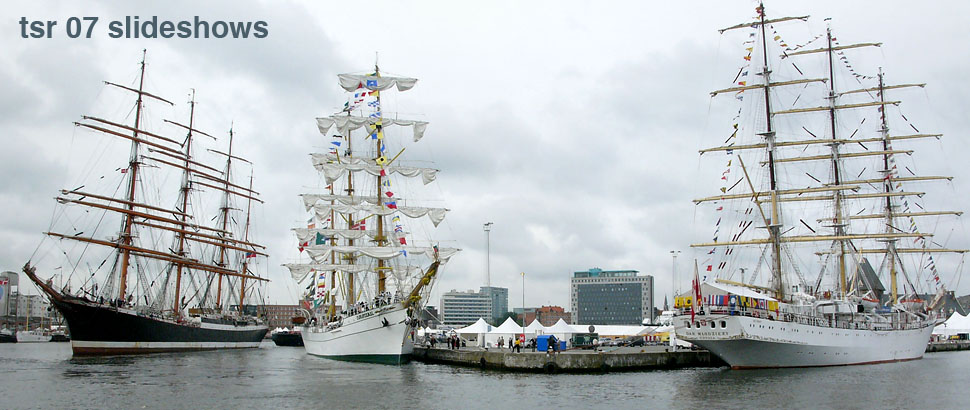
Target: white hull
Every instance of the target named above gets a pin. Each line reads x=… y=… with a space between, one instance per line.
x=29 y=336
x=748 y=342
x=364 y=337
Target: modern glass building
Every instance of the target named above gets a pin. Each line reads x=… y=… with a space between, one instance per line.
x=620 y=297
x=500 y=301
x=464 y=308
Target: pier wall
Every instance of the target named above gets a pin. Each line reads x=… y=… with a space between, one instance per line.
x=568 y=362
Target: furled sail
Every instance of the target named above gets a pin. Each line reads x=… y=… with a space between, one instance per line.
x=333 y=169
x=436 y=215
x=321 y=253
x=351 y=82
x=347 y=123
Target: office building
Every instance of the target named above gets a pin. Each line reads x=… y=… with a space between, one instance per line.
x=621 y=297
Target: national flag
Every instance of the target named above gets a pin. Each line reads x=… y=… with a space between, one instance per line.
x=250 y=255
x=359 y=226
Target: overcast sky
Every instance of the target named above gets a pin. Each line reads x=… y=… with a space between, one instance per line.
x=573 y=126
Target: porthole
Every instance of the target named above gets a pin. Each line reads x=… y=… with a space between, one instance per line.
x=723 y=324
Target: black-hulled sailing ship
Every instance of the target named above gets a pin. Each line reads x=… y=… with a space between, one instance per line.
x=171 y=278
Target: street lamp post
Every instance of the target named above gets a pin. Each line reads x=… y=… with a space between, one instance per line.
x=488 y=277
x=523 y=310
x=673 y=270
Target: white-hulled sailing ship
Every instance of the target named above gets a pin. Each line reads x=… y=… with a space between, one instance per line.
x=373 y=261
x=170 y=278
x=818 y=205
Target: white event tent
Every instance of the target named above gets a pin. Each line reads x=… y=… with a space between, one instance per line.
x=957 y=323
x=475 y=332
x=505 y=331
x=561 y=330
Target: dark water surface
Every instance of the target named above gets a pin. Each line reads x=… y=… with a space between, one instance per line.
x=44 y=375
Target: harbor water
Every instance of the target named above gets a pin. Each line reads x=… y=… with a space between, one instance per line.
x=45 y=375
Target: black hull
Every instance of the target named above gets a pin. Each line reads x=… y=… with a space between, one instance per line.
x=287 y=339
x=5 y=338
x=105 y=330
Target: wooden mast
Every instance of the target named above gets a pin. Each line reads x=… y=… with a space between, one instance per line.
x=774 y=229
x=888 y=184
x=225 y=222
x=132 y=178
x=838 y=223
x=242 y=286
x=186 y=184
x=379 y=237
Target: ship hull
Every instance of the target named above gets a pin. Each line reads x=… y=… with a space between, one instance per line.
x=26 y=336
x=748 y=343
x=287 y=339
x=365 y=337
x=105 y=330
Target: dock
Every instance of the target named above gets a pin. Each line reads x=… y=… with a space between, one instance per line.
x=572 y=361
x=948 y=346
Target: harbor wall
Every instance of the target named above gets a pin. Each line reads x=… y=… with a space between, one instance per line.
x=568 y=362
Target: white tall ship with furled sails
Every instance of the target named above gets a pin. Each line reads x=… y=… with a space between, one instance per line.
x=152 y=247
x=818 y=206
x=372 y=260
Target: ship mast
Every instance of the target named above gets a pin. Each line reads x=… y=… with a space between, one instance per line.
x=774 y=228
x=132 y=178
x=225 y=222
x=242 y=286
x=837 y=220
x=186 y=183
x=379 y=237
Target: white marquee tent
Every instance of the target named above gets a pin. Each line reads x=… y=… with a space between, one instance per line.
x=475 y=332
x=954 y=325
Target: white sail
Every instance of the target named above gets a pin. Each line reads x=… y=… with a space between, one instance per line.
x=351 y=82
x=321 y=253
x=436 y=215
x=347 y=123
x=299 y=271
x=333 y=169
x=310 y=234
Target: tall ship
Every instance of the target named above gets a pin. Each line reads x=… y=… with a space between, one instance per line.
x=159 y=249
x=823 y=249
x=371 y=253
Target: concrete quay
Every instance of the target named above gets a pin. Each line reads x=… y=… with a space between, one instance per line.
x=574 y=361
x=948 y=346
